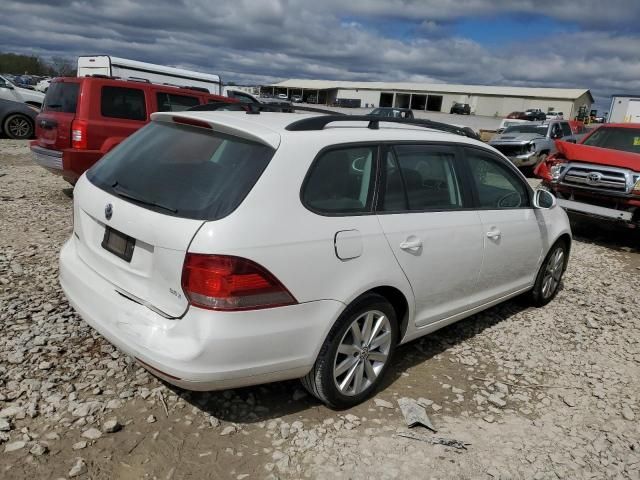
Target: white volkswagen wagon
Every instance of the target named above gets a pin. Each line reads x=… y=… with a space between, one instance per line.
x=222 y=249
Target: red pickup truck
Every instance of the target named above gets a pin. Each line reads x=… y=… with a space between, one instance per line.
x=600 y=176
x=84 y=117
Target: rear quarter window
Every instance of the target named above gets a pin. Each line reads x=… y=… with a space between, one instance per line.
x=121 y=102
x=340 y=182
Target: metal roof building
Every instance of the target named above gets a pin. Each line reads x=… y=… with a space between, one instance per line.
x=438 y=97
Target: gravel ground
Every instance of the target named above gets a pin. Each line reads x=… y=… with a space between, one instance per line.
x=533 y=393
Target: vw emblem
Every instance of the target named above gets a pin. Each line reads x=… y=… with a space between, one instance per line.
x=594 y=178
x=108 y=211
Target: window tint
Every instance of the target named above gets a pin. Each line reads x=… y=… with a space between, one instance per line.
x=566 y=129
x=341 y=181
x=119 y=102
x=185 y=171
x=61 y=97
x=169 y=102
x=428 y=177
x=497 y=186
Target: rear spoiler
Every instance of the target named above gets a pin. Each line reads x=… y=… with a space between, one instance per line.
x=239 y=126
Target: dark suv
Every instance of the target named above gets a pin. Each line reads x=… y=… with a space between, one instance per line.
x=461 y=109
x=83 y=118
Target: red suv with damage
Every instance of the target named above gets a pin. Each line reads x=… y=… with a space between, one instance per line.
x=600 y=176
x=83 y=118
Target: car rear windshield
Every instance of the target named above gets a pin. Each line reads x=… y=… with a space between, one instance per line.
x=625 y=139
x=183 y=171
x=61 y=97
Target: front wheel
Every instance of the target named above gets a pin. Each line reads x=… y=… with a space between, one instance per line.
x=356 y=353
x=550 y=275
x=18 y=127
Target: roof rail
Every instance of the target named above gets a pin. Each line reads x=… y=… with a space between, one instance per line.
x=99 y=75
x=318 y=123
x=138 y=79
x=197 y=89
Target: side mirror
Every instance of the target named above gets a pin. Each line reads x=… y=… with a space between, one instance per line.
x=544 y=199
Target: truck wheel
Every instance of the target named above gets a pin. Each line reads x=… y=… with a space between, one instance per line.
x=18 y=127
x=356 y=353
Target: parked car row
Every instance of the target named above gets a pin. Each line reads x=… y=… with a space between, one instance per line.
x=10 y=91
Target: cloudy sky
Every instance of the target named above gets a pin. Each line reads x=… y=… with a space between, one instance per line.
x=564 y=43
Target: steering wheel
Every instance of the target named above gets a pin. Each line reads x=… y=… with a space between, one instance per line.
x=504 y=202
x=354 y=164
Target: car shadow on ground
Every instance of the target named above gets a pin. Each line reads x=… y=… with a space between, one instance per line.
x=605 y=234
x=271 y=401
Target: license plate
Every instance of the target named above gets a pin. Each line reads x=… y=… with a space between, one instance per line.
x=118 y=243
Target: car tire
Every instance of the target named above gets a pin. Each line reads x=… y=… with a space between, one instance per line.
x=349 y=370
x=550 y=274
x=18 y=127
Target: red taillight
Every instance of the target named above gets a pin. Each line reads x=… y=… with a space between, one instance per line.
x=191 y=121
x=79 y=134
x=222 y=282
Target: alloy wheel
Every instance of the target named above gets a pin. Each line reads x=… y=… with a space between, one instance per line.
x=553 y=273
x=18 y=127
x=362 y=353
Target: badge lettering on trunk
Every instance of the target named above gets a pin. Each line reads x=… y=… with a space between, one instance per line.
x=108 y=211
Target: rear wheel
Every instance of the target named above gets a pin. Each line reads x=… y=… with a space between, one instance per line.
x=355 y=354
x=550 y=274
x=18 y=127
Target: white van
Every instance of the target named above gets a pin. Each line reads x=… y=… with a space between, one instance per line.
x=134 y=70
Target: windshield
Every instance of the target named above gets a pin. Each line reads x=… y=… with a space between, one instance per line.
x=625 y=139
x=539 y=129
x=61 y=97
x=183 y=171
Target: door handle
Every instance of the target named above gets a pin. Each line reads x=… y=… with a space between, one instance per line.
x=413 y=244
x=494 y=233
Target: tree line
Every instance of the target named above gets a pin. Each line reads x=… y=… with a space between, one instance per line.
x=17 y=64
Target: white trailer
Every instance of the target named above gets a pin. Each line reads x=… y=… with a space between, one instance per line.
x=123 y=68
x=624 y=109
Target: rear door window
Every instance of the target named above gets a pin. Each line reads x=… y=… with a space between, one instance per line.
x=340 y=181
x=421 y=178
x=170 y=102
x=121 y=102
x=61 y=97
x=183 y=171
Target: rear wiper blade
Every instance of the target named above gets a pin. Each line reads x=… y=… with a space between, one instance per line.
x=121 y=192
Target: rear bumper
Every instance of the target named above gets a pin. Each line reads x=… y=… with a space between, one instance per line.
x=69 y=162
x=595 y=211
x=203 y=350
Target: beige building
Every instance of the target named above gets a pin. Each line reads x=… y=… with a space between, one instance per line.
x=437 y=97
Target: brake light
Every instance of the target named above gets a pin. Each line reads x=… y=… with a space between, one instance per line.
x=222 y=282
x=191 y=121
x=79 y=134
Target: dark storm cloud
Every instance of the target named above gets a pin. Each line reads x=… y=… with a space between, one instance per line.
x=269 y=40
